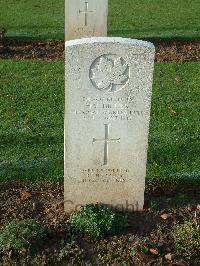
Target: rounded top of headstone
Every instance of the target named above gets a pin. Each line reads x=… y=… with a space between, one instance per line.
x=120 y=40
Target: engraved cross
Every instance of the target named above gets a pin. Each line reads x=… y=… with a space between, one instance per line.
x=106 y=140
x=86 y=12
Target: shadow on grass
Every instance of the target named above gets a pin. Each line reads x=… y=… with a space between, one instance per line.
x=34 y=170
x=32 y=37
x=124 y=33
x=27 y=141
x=35 y=165
x=152 y=38
x=180 y=206
x=29 y=160
x=21 y=41
x=174 y=153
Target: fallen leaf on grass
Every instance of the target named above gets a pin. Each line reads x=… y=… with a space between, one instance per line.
x=169 y=256
x=25 y=194
x=166 y=216
x=154 y=251
x=198 y=207
x=172 y=112
x=23 y=251
x=177 y=79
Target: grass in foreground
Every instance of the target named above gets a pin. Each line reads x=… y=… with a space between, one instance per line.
x=97 y=221
x=137 y=19
x=157 y=237
x=32 y=108
x=20 y=235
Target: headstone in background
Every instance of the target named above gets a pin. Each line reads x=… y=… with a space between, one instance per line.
x=85 y=18
x=107 y=112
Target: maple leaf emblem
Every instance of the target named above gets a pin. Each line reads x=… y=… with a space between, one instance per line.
x=108 y=73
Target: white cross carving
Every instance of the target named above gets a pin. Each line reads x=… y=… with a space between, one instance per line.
x=86 y=12
x=106 y=140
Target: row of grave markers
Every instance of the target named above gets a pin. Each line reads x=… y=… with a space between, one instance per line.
x=85 y=18
x=107 y=111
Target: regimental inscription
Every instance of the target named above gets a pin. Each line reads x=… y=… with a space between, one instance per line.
x=105 y=175
x=86 y=12
x=106 y=141
x=111 y=108
x=109 y=73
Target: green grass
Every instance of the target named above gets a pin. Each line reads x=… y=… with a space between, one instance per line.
x=43 y=19
x=154 y=18
x=174 y=149
x=31 y=115
x=21 y=235
x=97 y=221
x=149 y=19
x=187 y=238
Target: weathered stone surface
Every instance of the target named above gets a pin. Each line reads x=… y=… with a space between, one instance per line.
x=85 y=18
x=107 y=112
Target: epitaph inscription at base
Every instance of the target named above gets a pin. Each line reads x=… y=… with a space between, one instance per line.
x=85 y=18
x=107 y=112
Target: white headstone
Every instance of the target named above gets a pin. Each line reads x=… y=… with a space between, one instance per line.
x=85 y=18
x=107 y=112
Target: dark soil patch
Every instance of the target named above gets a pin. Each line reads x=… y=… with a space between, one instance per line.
x=177 y=51
x=35 y=50
x=172 y=50
x=146 y=241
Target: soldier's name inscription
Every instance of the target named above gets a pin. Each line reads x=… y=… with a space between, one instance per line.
x=109 y=108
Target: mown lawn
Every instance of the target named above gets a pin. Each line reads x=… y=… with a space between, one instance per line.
x=31 y=111
x=154 y=18
x=42 y=19
x=31 y=121
x=136 y=19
